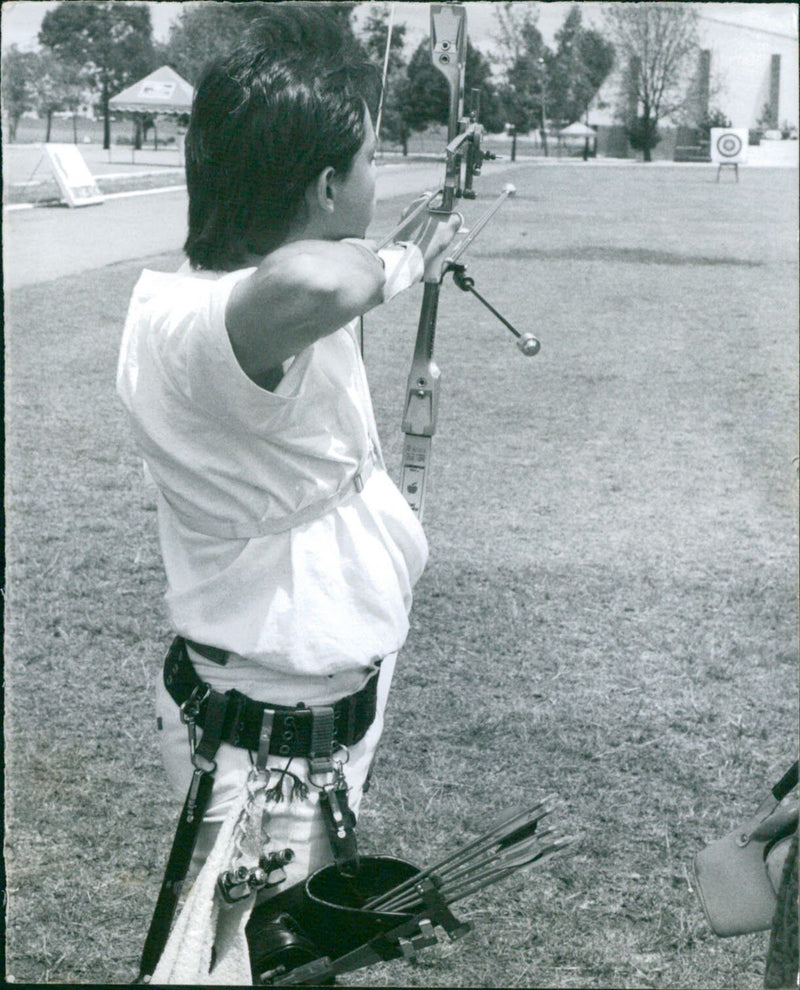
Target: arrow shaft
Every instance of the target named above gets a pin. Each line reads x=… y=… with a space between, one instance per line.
x=513 y=857
x=504 y=828
x=477 y=879
x=478 y=226
x=422 y=205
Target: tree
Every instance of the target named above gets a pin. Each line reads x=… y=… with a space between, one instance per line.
x=59 y=86
x=713 y=118
x=207 y=31
x=768 y=121
x=643 y=135
x=426 y=98
x=580 y=66
x=204 y=32
x=525 y=63
x=659 y=45
x=518 y=37
x=112 y=41
x=19 y=73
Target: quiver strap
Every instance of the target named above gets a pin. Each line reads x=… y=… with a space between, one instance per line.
x=185 y=840
x=180 y=857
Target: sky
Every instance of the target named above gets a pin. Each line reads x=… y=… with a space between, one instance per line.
x=21 y=19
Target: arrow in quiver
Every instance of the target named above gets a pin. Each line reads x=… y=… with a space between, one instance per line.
x=333 y=924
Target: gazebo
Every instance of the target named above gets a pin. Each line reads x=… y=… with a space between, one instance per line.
x=162 y=93
x=578 y=131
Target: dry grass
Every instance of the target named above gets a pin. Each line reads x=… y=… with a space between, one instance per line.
x=609 y=612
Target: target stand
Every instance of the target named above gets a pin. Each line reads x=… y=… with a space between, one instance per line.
x=733 y=165
x=728 y=148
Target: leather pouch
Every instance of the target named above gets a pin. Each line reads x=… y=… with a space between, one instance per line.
x=732 y=874
x=733 y=884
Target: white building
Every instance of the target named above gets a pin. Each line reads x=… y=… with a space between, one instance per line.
x=749 y=59
x=747 y=69
x=753 y=60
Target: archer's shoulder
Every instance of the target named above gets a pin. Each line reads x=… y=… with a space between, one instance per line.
x=319 y=268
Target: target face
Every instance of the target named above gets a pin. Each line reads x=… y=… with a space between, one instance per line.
x=728 y=144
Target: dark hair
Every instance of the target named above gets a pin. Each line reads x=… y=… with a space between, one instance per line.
x=266 y=120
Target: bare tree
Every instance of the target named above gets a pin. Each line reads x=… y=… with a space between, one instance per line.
x=524 y=61
x=517 y=34
x=658 y=44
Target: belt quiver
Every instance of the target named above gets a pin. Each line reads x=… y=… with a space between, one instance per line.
x=388 y=908
x=326 y=915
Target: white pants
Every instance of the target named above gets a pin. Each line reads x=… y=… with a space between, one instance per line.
x=293 y=823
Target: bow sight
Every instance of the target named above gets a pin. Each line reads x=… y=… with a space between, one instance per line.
x=464 y=156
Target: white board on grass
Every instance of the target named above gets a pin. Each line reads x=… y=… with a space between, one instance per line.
x=729 y=145
x=76 y=182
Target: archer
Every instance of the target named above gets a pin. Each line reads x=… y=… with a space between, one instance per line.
x=290 y=555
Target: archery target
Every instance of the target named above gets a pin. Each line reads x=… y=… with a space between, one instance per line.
x=728 y=145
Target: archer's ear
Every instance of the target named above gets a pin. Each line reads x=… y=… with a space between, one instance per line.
x=320 y=193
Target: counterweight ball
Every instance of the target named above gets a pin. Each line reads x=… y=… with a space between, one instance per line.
x=528 y=344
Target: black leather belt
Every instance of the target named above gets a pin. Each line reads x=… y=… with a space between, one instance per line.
x=291 y=727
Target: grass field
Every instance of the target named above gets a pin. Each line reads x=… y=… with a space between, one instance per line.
x=609 y=611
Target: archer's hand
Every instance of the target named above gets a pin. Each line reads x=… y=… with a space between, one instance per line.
x=404 y=232
x=435 y=238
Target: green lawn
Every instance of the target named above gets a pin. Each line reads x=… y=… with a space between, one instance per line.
x=609 y=611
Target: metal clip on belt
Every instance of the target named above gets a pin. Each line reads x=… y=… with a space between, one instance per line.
x=340 y=822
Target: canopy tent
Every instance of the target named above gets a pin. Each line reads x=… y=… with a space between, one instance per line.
x=162 y=92
x=577 y=132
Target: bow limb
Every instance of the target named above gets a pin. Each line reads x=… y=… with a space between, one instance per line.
x=385 y=75
x=448 y=52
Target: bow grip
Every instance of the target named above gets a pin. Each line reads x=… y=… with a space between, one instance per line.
x=422 y=387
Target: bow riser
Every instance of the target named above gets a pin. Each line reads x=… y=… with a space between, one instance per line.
x=464 y=137
x=449 y=56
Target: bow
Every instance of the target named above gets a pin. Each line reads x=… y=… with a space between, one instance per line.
x=463 y=156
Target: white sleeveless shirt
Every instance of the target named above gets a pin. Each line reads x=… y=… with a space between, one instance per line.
x=284 y=540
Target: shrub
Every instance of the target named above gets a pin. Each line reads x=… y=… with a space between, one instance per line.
x=768 y=121
x=713 y=118
x=643 y=134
